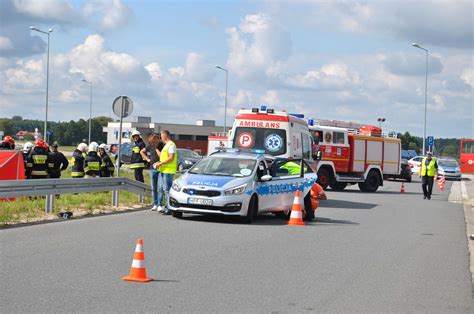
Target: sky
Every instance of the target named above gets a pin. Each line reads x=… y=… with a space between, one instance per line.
x=343 y=60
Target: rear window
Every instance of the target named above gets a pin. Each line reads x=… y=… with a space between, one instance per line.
x=273 y=141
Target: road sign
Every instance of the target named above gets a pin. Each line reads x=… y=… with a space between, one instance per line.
x=430 y=140
x=122 y=106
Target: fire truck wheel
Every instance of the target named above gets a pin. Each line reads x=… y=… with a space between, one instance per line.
x=324 y=177
x=338 y=186
x=371 y=183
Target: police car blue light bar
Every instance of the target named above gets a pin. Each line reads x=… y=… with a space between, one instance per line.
x=297 y=115
x=310 y=122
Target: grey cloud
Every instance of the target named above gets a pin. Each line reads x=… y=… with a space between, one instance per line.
x=411 y=64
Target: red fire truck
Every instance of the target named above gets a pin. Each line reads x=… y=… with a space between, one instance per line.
x=467 y=155
x=363 y=156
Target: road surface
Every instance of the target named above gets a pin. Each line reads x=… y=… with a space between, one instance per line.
x=381 y=252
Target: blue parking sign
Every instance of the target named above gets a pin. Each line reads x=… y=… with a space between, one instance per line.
x=430 y=140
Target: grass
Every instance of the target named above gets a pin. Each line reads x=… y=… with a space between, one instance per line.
x=26 y=209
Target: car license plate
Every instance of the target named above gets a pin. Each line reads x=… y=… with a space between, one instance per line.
x=199 y=201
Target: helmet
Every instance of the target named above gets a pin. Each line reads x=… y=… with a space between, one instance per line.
x=82 y=147
x=103 y=146
x=39 y=143
x=136 y=132
x=9 y=140
x=27 y=146
x=93 y=146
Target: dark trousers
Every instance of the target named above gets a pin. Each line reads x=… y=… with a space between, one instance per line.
x=427 y=185
x=139 y=174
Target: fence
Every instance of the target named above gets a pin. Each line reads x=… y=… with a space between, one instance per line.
x=51 y=187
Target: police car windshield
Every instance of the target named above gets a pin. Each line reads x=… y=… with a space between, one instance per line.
x=448 y=163
x=224 y=166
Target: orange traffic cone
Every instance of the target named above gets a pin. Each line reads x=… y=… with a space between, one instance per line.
x=402 y=189
x=138 y=270
x=296 y=218
x=441 y=183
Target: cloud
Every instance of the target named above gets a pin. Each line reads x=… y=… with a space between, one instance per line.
x=108 y=14
x=411 y=64
x=5 y=43
x=53 y=11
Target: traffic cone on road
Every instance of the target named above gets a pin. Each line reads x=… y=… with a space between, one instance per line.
x=138 y=270
x=402 y=189
x=441 y=183
x=296 y=217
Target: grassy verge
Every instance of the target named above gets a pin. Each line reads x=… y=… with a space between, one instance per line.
x=25 y=209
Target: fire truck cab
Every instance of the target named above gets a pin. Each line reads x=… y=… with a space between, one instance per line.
x=350 y=157
x=277 y=132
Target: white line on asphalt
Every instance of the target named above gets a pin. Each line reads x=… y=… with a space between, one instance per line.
x=464 y=190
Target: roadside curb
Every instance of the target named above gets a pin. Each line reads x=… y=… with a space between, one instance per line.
x=459 y=194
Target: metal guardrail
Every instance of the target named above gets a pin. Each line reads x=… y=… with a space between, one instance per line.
x=52 y=187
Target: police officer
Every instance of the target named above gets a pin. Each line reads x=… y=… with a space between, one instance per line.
x=167 y=169
x=38 y=162
x=107 y=167
x=77 y=161
x=136 y=161
x=428 y=171
x=60 y=162
x=92 y=161
x=7 y=143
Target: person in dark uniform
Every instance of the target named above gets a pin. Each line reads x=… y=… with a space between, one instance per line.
x=8 y=143
x=92 y=162
x=136 y=161
x=27 y=147
x=39 y=162
x=107 y=167
x=60 y=162
x=77 y=161
x=151 y=153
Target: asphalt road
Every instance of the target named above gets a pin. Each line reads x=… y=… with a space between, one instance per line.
x=382 y=252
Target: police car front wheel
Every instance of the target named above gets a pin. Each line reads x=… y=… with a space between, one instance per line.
x=252 y=211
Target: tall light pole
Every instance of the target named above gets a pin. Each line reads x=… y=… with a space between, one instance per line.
x=90 y=108
x=33 y=28
x=225 y=104
x=426 y=92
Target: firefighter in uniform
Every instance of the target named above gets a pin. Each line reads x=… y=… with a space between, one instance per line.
x=107 y=168
x=7 y=143
x=428 y=171
x=60 y=162
x=38 y=162
x=136 y=162
x=77 y=161
x=27 y=147
x=92 y=161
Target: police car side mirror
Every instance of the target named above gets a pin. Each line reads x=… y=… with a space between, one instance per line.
x=266 y=178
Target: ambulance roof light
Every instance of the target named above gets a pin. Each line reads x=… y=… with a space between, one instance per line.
x=255 y=110
x=263 y=108
x=310 y=122
x=270 y=110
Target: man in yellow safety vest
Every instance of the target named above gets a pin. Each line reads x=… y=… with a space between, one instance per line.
x=428 y=171
x=167 y=168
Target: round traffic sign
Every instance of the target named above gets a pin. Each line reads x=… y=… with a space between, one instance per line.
x=245 y=140
x=122 y=106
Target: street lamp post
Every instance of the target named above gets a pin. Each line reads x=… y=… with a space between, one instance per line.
x=380 y=120
x=225 y=103
x=90 y=107
x=426 y=92
x=33 y=28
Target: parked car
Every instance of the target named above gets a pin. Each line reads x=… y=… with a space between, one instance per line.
x=239 y=183
x=187 y=158
x=405 y=171
x=408 y=153
x=415 y=163
x=449 y=168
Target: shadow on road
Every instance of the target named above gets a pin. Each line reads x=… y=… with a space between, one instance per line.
x=346 y=204
x=380 y=192
x=328 y=221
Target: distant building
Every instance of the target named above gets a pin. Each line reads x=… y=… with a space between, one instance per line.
x=190 y=136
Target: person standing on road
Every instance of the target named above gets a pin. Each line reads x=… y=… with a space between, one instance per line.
x=92 y=162
x=167 y=168
x=27 y=147
x=77 y=161
x=60 y=162
x=107 y=167
x=428 y=171
x=136 y=161
x=39 y=162
x=151 y=153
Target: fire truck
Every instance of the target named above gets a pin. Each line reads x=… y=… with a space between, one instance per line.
x=277 y=132
x=363 y=156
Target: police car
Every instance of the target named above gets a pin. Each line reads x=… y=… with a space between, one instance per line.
x=239 y=182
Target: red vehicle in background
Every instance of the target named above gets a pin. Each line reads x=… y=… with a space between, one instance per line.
x=467 y=155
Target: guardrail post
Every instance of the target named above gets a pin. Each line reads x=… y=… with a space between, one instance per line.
x=49 y=203
x=115 y=198
x=141 y=199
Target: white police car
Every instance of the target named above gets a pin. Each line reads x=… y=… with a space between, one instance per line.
x=237 y=182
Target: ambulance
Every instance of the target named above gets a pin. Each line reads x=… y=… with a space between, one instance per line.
x=364 y=156
x=278 y=133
